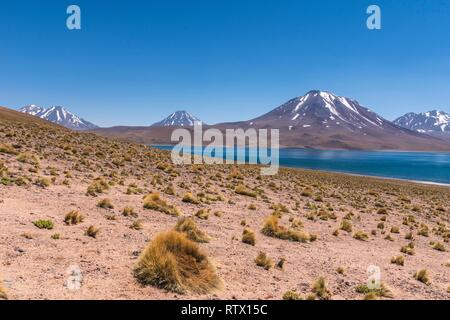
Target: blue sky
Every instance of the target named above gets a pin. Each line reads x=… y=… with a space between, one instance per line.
x=134 y=62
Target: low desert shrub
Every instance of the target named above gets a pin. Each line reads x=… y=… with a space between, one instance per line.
x=44 y=224
x=154 y=202
x=439 y=247
x=271 y=228
x=408 y=249
x=202 y=214
x=248 y=237
x=319 y=288
x=262 y=260
x=243 y=190
x=73 y=217
x=3 y=294
x=42 y=182
x=105 y=204
x=191 y=230
x=56 y=236
x=422 y=276
x=137 y=225
x=175 y=263
x=398 y=260
x=128 y=211
x=361 y=235
x=99 y=185
x=190 y=198
x=374 y=293
x=346 y=225
x=92 y=232
x=291 y=295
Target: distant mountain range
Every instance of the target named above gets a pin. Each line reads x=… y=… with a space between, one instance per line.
x=59 y=115
x=179 y=118
x=318 y=119
x=431 y=122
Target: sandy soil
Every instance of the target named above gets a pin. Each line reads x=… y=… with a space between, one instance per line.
x=36 y=268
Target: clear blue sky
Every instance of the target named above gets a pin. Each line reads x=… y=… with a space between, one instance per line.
x=134 y=62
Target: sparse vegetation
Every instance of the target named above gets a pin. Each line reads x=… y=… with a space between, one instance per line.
x=44 y=224
x=190 y=198
x=319 y=288
x=272 y=228
x=439 y=247
x=248 y=237
x=408 y=249
x=92 y=232
x=3 y=294
x=398 y=260
x=422 y=276
x=73 y=217
x=192 y=231
x=45 y=168
x=374 y=293
x=243 y=190
x=360 y=235
x=346 y=225
x=97 y=186
x=154 y=202
x=129 y=211
x=105 y=204
x=291 y=295
x=202 y=214
x=262 y=260
x=137 y=225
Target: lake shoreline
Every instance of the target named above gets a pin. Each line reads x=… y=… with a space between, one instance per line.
x=415 y=167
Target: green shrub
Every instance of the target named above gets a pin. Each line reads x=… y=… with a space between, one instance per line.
x=44 y=224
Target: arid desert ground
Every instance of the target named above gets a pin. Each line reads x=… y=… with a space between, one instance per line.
x=76 y=199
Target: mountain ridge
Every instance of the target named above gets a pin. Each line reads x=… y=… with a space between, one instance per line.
x=317 y=120
x=59 y=115
x=434 y=122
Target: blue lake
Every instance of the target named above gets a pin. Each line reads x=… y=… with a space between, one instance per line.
x=417 y=166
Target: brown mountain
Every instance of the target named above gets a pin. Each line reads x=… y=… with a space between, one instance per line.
x=319 y=120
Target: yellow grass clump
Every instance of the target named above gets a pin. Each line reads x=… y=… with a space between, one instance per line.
x=262 y=260
x=271 y=228
x=248 y=237
x=190 y=229
x=243 y=190
x=175 y=263
x=99 y=185
x=190 y=198
x=154 y=202
x=73 y=217
x=3 y=294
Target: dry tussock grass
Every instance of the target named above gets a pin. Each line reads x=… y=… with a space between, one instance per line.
x=173 y=262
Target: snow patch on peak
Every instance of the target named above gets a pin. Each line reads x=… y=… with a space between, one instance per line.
x=180 y=118
x=59 y=115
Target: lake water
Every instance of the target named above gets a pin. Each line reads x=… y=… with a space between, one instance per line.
x=417 y=166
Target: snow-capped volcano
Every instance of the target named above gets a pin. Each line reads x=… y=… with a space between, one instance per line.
x=316 y=120
x=431 y=122
x=59 y=115
x=179 y=118
x=321 y=119
x=321 y=109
